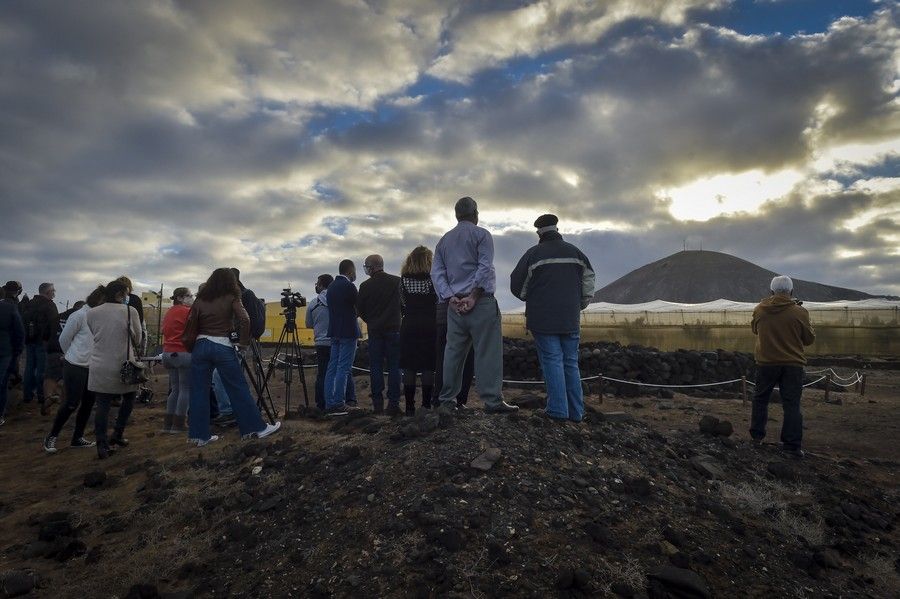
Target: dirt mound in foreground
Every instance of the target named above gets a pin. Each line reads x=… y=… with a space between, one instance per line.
x=475 y=505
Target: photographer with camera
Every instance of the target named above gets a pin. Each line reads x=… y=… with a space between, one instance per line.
x=256 y=310
x=317 y=320
x=208 y=336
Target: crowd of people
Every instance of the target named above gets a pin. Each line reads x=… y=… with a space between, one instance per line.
x=99 y=336
x=434 y=327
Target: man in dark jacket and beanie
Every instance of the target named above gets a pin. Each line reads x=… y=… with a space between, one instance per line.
x=782 y=329
x=556 y=281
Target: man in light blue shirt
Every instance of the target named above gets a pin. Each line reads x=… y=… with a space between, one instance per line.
x=463 y=276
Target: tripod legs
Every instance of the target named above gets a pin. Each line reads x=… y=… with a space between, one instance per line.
x=259 y=385
x=289 y=344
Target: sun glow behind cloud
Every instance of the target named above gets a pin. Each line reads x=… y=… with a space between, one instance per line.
x=727 y=193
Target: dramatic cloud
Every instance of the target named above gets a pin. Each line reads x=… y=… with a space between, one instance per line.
x=166 y=138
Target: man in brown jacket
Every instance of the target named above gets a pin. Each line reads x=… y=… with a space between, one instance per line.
x=782 y=329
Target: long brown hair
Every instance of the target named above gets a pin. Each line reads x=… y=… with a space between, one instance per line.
x=418 y=262
x=221 y=282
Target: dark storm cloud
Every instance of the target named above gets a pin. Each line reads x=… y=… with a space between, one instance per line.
x=163 y=139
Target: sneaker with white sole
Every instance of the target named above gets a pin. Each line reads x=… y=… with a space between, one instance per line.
x=202 y=442
x=270 y=429
x=82 y=442
x=50 y=444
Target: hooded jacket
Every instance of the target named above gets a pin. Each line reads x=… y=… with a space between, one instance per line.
x=782 y=329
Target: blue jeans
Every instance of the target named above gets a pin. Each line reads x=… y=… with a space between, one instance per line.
x=790 y=385
x=35 y=362
x=323 y=356
x=223 y=402
x=5 y=361
x=343 y=351
x=384 y=348
x=207 y=356
x=559 y=363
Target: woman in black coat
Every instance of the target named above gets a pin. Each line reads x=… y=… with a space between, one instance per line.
x=418 y=330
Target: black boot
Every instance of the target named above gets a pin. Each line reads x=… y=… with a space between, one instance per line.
x=118 y=439
x=409 y=391
x=104 y=450
x=427 y=390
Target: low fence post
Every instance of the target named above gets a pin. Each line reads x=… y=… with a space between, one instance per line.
x=862 y=386
x=600 y=388
x=828 y=388
x=743 y=390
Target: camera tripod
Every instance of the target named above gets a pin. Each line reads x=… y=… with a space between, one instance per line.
x=259 y=381
x=289 y=343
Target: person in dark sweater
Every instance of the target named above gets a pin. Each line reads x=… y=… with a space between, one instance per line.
x=41 y=320
x=418 y=329
x=12 y=339
x=556 y=281
x=13 y=289
x=378 y=304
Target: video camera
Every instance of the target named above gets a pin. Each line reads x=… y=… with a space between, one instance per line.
x=291 y=300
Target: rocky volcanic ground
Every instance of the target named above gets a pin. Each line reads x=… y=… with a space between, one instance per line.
x=453 y=504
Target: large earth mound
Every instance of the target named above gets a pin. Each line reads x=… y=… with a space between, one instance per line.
x=693 y=277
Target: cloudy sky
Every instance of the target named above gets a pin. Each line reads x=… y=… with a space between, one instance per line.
x=163 y=138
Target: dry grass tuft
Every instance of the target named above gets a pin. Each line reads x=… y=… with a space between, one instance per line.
x=755 y=497
x=882 y=571
x=813 y=530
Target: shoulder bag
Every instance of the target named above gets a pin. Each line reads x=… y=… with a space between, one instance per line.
x=133 y=372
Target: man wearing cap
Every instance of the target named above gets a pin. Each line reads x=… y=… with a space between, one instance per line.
x=463 y=275
x=556 y=281
x=782 y=329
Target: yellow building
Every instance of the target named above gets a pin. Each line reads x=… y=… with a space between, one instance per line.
x=275 y=324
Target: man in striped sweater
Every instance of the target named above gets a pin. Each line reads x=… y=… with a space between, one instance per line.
x=556 y=281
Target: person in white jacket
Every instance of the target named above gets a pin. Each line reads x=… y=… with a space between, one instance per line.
x=77 y=342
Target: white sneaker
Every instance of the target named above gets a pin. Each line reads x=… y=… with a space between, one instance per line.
x=50 y=444
x=270 y=429
x=202 y=442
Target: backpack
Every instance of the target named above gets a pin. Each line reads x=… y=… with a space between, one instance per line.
x=256 y=310
x=32 y=321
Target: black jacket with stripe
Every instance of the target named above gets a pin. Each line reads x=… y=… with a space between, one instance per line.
x=556 y=281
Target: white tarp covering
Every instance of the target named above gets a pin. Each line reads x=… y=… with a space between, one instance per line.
x=723 y=305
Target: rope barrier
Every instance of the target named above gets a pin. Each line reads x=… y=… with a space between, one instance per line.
x=821 y=378
x=836 y=375
x=850 y=384
x=856 y=378
x=640 y=384
x=842 y=378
